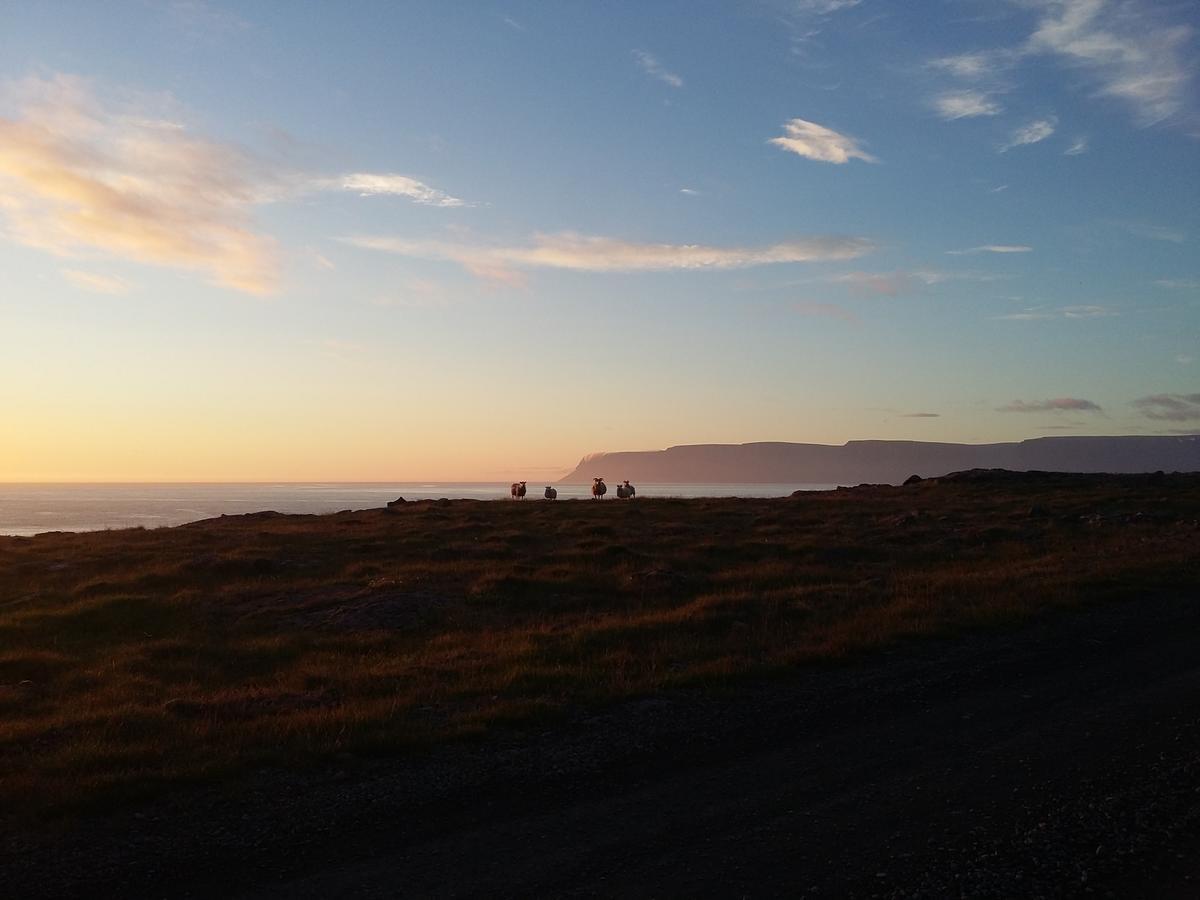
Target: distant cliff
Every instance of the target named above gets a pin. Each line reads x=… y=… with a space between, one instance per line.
x=887 y=461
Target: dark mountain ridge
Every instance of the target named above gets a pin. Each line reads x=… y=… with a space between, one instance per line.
x=888 y=462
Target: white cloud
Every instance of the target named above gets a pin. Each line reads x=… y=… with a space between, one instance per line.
x=584 y=253
x=95 y=282
x=80 y=174
x=690 y=192
x=1125 y=48
x=817 y=142
x=1033 y=133
x=1181 y=284
x=980 y=64
x=965 y=104
x=652 y=67
x=367 y=184
x=992 y=248
x=1080 y=145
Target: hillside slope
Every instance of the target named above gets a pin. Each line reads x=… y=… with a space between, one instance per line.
x=888 y=462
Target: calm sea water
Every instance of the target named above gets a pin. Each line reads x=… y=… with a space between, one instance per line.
x=27 y=509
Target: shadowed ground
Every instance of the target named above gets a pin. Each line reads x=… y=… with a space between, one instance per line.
x=265 y=703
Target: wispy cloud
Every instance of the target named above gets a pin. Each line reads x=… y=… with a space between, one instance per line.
x=585 y=253
x=965 y=105
x=1033 y=133
x=95 y=282
x=652 y=67
x=921 y=415
x=1185 y=359
x=902 y=281
x=367 y=184
x=1036 y=313
x=84 y=175
x=824 y=7
x=1055 y=404
x=1170 y=407
x=817 y=142
x=991 y=248
x=1179 y=284
x=1154 y=232
x=1078 y=146
x=976 y=65
x=691 y=192
x=1125 y=48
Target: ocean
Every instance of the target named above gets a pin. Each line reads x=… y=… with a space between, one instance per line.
x=28 y=509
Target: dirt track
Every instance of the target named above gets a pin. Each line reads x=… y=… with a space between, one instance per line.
x=1060 y=759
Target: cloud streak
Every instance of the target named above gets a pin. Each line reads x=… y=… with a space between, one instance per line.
x=652 y=67
x=991 y=248
x=1170 y=407
x=78 y=175
x=586 y=253
x=1063 y=312
x=1055 y=404
x=813 y=141
x=1078 y=147
x=892 y=284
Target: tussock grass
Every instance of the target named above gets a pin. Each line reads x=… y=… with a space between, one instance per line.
x=134 y=660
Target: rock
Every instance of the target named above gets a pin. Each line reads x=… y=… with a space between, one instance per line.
x=399 y=501
x=913 y=479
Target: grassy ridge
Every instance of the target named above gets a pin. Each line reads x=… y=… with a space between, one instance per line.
x=134 y=659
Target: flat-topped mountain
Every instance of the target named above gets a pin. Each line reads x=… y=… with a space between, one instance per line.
x=888 y=462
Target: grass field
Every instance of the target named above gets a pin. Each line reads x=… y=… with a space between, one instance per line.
x=135 y=660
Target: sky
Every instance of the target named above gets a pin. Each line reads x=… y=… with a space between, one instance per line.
x=476 y=241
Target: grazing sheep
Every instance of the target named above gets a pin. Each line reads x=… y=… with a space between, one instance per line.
x=518 y=490
x=625 y=491
x=599 y=488
x=551 y=493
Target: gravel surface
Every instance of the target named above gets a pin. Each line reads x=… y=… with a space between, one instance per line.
x=1058 y=759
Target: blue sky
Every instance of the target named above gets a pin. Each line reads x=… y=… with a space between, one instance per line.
x=430 y=240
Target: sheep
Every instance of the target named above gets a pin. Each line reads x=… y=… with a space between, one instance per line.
x=599 y=488
x=551 y=493
x=625 y=491
x=518 y=490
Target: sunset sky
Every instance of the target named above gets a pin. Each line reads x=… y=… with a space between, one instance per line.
x=431 y=240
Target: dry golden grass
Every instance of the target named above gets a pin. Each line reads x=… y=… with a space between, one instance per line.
x=130 y=660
